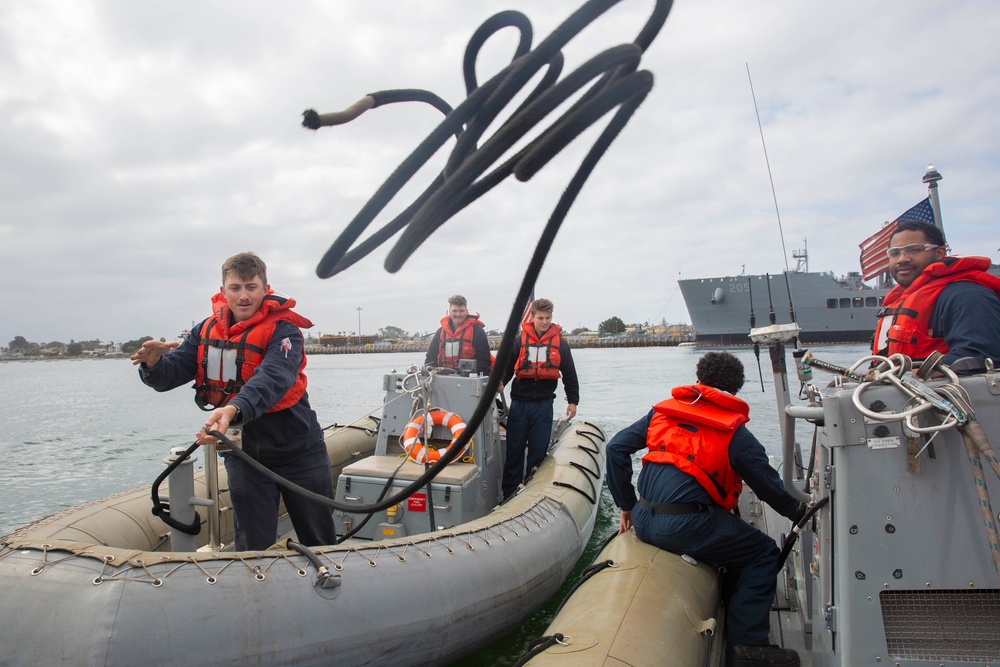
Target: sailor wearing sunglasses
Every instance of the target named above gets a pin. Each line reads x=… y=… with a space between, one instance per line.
x=940 y=303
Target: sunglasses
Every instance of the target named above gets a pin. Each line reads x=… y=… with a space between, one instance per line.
x=911 y=250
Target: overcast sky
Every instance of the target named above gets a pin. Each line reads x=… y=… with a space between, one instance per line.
x=143 y=143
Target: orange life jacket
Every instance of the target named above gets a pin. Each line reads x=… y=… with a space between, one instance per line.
x=229 y=354
x=539 y=356
x=904 y=319
x=457 y=344
x=692 y=431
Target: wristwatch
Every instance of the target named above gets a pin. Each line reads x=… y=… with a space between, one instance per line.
x=238 y=417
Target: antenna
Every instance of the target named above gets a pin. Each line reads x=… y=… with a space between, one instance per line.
x=770 y=302
x=753 y=325
x=777 y=213
x=768 y=163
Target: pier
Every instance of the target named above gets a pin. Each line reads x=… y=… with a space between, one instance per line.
x=575 y=342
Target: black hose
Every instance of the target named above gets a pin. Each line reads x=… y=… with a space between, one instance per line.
x=794 y=533
x=354 y=531
x=813 y=453
x=430 y=504
x=162 y=510
x=619 y=84
x=308 y=553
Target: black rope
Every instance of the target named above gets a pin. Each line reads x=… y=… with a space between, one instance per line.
x=162 y=510
x=597 y=447
x=592 y=499
x=587 y=573
x=585 y=469
x=794 y=533
x=538 y=646
x=586 y=476
x=812 y=460
x=369 y=431
x=619 y=84
x=235 y=450
x=354 y=531
x=310 y=555
x=306 y=493
x=593 y=456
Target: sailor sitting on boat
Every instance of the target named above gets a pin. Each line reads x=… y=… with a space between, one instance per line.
x=699 y=454
x=461 y=336
x=940 y=303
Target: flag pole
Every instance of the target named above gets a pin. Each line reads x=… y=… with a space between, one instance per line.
x=931 y=178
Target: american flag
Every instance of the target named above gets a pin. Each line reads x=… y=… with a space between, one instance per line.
x=873 y=257
x=526 y=316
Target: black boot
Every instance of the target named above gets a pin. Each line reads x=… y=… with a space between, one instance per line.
x=742 y=655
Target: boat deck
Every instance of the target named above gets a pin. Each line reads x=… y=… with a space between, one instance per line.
x=786 y=631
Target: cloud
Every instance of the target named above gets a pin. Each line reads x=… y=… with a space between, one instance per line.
x=140 y=145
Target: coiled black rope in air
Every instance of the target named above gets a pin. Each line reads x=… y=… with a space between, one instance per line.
x=618 y=84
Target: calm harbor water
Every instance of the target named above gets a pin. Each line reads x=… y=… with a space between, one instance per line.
x=76 y=431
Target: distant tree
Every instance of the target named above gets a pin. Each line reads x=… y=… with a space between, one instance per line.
x=577 y=331
x=612 y=326
x=20 y=345
x=393 y=332
x=133 y=345
x=74 y=349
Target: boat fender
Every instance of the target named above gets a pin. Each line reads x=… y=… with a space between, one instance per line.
x=415 y=448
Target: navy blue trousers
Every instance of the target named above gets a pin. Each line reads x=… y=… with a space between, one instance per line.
x=719 y=538
x=255 y=501
x=529 y=426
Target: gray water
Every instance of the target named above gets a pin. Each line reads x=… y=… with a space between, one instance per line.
x=76 y=431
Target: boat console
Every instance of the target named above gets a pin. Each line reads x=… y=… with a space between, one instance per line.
x=467 y=488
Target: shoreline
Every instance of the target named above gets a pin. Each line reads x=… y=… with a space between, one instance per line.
x=623 y=342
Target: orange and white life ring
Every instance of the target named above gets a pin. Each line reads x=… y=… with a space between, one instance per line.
x=416 y=450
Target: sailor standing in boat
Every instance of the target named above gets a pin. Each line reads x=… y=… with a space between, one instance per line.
x=247 y=362
x=699 y=454
x=541 y=357
x=940 y=303
x=461 y=336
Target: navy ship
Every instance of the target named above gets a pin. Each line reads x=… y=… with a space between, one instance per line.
x=827 y=308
